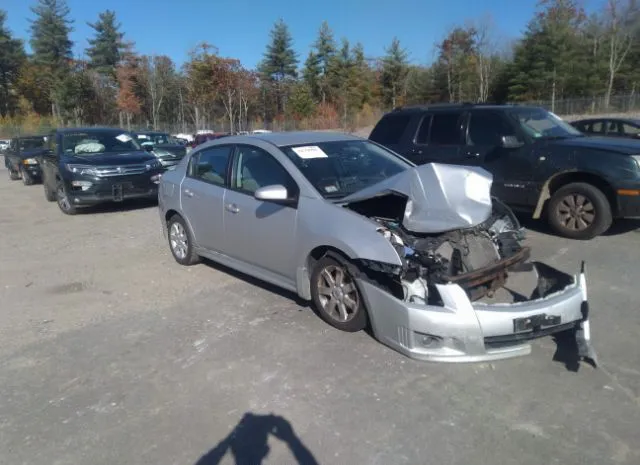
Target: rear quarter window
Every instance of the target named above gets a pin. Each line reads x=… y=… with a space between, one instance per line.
x=390 y=129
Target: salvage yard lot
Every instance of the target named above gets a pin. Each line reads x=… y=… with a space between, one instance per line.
x=111 y=353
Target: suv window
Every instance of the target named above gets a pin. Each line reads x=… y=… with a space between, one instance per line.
x=256 y=168
x=487 y=128
x=445 y=129
x=423 y=132
x=596 y=127
x=390 y=129
x=210 y=165
x=630 y=130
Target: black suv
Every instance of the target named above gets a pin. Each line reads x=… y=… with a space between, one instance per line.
x=21 y=158
x=539 y=162
x=164 y=147
x=87 y=166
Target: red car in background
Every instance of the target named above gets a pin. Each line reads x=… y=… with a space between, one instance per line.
x=204 y=137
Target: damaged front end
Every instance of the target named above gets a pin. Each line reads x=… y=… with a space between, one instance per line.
x=468 y=292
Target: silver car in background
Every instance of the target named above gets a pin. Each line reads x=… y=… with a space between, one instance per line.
x=420 y=254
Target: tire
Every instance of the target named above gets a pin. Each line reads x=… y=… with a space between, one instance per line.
x=579 y=211
x=13 y=175
x=181 y=241
x=27 y=180
x=64 y=203
x=49 y=194
x=336 y=296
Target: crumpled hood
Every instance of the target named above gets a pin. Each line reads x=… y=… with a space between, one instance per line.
x=441 y=197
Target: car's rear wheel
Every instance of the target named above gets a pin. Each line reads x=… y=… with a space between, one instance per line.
x=579 y=211
x=64 y=202
x=181 y=241
x=336 y=296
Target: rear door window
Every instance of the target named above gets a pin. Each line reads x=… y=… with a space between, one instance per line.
x=445 y=129
x=390 y=129
x=210 y=165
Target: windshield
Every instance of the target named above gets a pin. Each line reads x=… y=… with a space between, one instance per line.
x=337 y=169
x=31 y=143
x=90 y=142
x=156 y=139
x=539 y=123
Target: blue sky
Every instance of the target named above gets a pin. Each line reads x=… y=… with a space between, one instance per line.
x=241 y=28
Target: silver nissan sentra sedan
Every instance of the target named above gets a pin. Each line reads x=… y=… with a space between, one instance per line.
x=423 y=255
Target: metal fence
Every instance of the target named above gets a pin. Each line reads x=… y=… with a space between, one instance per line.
x=622 y=103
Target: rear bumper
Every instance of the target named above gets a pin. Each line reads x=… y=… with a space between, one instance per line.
x=463 y=331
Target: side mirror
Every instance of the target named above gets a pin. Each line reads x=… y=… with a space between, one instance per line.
x=510 y=142
x=275 y=192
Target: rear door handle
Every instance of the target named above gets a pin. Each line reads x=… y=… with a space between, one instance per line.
x=188 y=193
x=232 y=207
x=472 y=155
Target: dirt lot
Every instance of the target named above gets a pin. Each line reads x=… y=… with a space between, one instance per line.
x=110 y=353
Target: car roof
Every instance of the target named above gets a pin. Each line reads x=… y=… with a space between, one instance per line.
x=282 y=139
x=91 y=129
x=458 y=106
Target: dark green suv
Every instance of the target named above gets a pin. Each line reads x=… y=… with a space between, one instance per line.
x=539 y=162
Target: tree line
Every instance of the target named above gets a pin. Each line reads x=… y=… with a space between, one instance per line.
x=563 y=53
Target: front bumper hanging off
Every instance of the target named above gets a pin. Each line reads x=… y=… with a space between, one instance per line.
x=459 y=330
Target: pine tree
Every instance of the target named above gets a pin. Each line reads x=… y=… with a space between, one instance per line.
x=311 y=74
x=11 y=58
x=106 y=48
x=325 y=47
x=395 y=68
x=50 y=34
x=280 y=61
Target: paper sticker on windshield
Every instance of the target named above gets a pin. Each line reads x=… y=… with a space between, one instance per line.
x=123 y=138
x=309 y=151
x=330 y=189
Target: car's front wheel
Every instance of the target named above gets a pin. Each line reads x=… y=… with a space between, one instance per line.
x=64 y=202
x=579 y=211
x=27 y=180
x=181 y=241
x=13 y=175
x=336 y=296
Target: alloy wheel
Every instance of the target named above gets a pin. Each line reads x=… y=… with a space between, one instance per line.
x=576 y=212
x=337 y=293
x=178 y=240
x=63 y=199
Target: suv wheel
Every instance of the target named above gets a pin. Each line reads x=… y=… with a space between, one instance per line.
x=13 y=175
x=64 y=202
x=579 y=211
x=336 y=296
x=49 y=193
x=181 y=241
x=27 y=180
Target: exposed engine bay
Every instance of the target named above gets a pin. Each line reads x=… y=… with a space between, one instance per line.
x=477 y=258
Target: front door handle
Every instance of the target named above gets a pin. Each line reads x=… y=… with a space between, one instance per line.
x=188 y=193
x=472 y=155
x=232 y=207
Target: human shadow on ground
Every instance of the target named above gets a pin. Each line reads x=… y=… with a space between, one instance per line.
x=247 y=442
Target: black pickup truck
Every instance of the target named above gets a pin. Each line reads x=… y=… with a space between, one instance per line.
x=539 y=162
x=21 y=158
x=87 y=166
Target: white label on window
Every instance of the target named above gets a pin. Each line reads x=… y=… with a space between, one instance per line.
x=331 y=189
x=123 y=138
x=309 y=151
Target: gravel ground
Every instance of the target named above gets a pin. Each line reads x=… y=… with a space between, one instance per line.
x=111 y=353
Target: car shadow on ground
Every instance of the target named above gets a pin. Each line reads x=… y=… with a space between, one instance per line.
x=259 y=283
x=248 y=442
x=118 y=207
x=619 y=226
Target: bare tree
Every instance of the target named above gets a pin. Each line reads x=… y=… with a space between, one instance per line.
x=620 y=21
x=485 y=50
x=157 y=73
